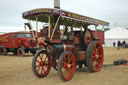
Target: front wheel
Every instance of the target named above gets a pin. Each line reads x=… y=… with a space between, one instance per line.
x=41 y=64
x=94 y=57
x=66 y=66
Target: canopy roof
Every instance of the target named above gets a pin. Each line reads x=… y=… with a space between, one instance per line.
x=117 y=33
x=66 y=17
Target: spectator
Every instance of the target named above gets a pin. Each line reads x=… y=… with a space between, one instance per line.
x=114 y=44
x=127 y=45
x=118 y=44
x=124 y=44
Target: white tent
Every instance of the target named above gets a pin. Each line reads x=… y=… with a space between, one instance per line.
x=115 y=34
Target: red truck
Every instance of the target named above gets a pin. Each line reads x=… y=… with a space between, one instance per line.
x=17 y=42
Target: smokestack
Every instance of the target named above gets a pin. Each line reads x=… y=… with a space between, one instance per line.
x=57 y=4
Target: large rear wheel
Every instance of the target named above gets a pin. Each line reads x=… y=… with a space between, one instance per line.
x=94 y=57
x=41 y=64
x=66 y=66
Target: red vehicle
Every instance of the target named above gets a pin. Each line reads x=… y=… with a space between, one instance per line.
x=17 y=42
x=99 y=35
x=65 y=48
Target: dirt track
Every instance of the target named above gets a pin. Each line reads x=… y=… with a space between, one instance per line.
x=17 y=71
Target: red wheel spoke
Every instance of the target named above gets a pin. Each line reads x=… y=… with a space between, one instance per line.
x=95 y=62
x=66 y=66
x=43 y=71
x=37 y=65
x=94 y=47
x=99 y=56
x=72 y=64
x=65 y=58
x=69 y=69
x=45 y=58
x=65 y=71
x=93 y=56
x=94 y=52
x=37 y=61
x=99 y=48
x=64 y=63
x=46 y=63
x=99 y=65
x=40 y=57
x=93 y=59
x=69 y=59
x=38 y=69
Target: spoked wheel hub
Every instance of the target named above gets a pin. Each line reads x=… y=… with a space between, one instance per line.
x=94 y=56
x=41 y=64
x=66 y=66
x=97 y=56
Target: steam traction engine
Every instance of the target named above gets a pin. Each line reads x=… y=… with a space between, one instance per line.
x=65 y=48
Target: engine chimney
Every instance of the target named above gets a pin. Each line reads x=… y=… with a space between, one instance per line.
x=57 y=4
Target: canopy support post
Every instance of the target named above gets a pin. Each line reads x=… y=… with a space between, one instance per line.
x=55 y=27
x=36 y=26
x=49 y=26
x=103 y=28
x=96 y=31
x=32 y=30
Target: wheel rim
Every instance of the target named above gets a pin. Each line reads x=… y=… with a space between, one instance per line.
x=1 y=50
x=42 y=64
x=68 y=66
x=88 y=37
x=97 y=57
x=20 y=52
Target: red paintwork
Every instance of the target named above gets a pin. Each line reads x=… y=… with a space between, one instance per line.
x=80 y=55
x=99 y=35
x=10 y=40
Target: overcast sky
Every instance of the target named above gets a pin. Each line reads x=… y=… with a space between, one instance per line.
x=113 y=11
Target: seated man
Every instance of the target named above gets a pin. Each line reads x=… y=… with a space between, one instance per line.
x=76 y=38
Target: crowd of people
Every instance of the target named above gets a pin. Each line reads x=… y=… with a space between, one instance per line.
x=120 y=44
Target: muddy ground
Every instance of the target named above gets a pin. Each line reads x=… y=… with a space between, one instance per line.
x=17 y=71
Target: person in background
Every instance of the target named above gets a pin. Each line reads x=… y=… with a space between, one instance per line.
x=114 y=44
x=124 y=44
x=118 y=45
